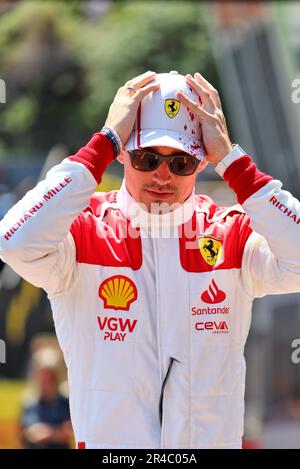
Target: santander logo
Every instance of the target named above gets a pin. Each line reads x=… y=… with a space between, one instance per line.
x=213 y=295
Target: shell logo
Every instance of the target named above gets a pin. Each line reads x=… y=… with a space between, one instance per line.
x=118 y=292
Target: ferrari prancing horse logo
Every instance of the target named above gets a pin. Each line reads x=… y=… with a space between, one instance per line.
x=172 y=107
x=211 y=249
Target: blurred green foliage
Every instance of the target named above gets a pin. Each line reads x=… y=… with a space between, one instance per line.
x=62 y=65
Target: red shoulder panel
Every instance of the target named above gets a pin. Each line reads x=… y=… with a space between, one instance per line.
x=203 y=242
x=105 y=241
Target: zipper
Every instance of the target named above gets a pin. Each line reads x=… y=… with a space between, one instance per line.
x=160 y=408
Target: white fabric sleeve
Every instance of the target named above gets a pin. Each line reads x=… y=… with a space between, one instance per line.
x=34 y=234
x=271 y=259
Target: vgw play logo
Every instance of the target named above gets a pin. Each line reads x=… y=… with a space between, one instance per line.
x=2 y=92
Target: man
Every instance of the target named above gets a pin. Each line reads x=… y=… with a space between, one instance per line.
x=151 y=286
x=45 y=420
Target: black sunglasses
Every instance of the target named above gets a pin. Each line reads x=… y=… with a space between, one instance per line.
x=181 y=164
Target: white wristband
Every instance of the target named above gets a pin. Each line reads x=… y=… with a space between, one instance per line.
x=233 y=155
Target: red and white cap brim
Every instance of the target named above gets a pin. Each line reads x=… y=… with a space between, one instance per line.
x=170 y=138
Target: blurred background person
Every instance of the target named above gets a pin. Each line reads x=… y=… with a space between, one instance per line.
x=45 y=419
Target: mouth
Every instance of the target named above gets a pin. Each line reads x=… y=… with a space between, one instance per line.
x=159 y=195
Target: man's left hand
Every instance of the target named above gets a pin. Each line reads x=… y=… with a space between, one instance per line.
x=209 y=112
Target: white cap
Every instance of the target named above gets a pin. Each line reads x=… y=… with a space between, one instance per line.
x=162 y=120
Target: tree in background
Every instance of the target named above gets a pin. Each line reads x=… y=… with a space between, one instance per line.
x=62 y=65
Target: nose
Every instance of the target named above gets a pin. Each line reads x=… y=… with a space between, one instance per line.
x=162 y=174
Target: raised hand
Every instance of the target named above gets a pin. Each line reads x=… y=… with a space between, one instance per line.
x=209 y=111
x=123 y=110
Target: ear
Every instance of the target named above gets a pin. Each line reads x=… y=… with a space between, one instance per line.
x=120 y=157
x=201 y=166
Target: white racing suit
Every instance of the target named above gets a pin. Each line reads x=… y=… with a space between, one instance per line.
x=152 y=311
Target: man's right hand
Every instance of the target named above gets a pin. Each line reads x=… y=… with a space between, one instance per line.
x=122 y=112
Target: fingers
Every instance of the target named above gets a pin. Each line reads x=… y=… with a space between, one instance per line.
x=204 y=94
x=147 y=89
x=214 y=93
x=142 y=84
x=141 y=80
x=193 y=105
